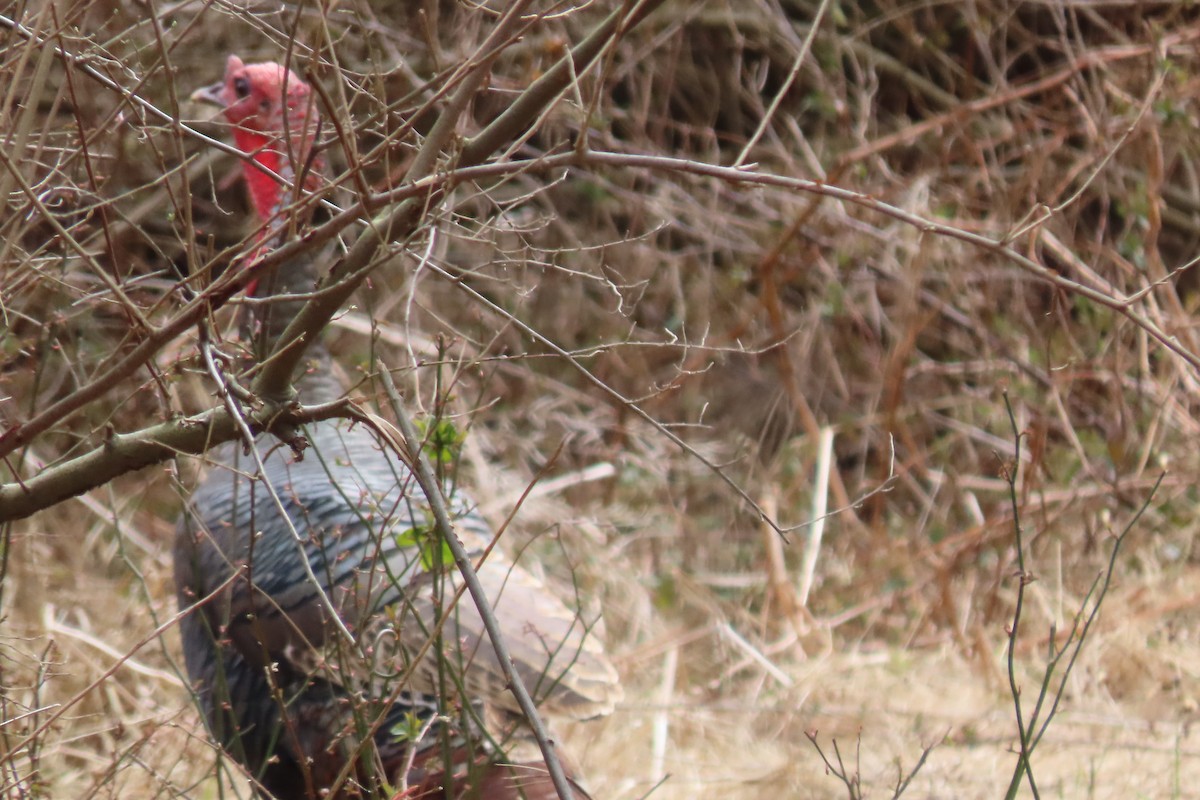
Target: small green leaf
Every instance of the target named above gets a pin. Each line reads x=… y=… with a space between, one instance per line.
x=429 y=555
x=408 y=538
x=407 y=729
x=427 y=541
x=442 y=441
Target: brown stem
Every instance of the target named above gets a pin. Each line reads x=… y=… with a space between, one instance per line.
x=122 y=453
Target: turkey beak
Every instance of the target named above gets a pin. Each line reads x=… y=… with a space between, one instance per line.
x=210 y=94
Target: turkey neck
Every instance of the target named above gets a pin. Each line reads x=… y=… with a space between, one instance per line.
x=281 y=293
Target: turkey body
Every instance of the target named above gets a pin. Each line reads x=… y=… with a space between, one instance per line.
x=280 y=686
x=324 y=641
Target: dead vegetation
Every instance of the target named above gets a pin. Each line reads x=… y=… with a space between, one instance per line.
x=1015 y=209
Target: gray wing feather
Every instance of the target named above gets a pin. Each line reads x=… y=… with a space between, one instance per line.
x=355 y=509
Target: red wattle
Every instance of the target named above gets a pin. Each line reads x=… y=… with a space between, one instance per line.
x=264 y=191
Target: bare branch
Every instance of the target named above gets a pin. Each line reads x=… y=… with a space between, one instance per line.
x=123 y=453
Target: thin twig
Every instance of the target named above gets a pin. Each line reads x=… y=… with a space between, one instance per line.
x=797 y=63
x=153 y=636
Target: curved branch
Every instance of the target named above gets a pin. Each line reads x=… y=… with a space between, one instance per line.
x=123 y=453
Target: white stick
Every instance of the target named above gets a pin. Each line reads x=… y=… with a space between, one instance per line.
x=54 y=626
x=740 y=642
x=812 y=545
x=660 y=733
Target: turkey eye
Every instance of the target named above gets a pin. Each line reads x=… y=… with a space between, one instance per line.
x=241 y=87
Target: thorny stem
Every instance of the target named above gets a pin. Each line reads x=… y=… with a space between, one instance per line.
x=1011 y=473
x=853 y=783
x=415 y=455
x=1029 y=731
x=247 y=437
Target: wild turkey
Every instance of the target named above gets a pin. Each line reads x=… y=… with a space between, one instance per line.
x=281 y=688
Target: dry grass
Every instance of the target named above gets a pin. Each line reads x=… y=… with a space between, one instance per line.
x=746 y=317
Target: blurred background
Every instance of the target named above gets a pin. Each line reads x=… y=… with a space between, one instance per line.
x=822 y=357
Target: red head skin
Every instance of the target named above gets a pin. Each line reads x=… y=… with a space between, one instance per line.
x=270 y=108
